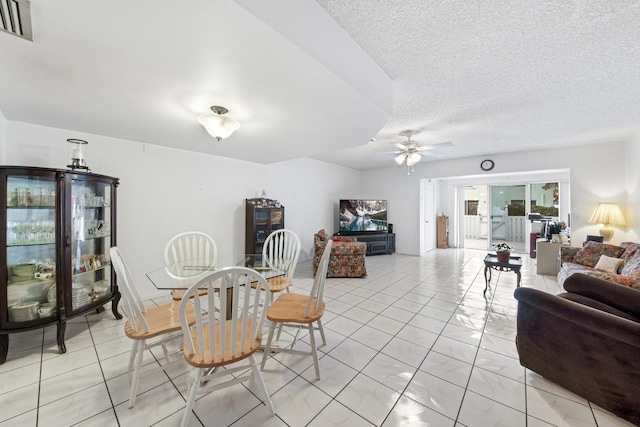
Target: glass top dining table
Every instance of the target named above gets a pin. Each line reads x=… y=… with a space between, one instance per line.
x=183 y=274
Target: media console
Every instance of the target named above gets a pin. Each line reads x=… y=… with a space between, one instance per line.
x=377 y=243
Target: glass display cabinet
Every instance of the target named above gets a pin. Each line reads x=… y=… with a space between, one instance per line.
x=263 y=217
x=58 y=228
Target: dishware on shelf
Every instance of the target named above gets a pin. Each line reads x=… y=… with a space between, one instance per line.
x=24 y=311
x=43 y=276
x=51 y=294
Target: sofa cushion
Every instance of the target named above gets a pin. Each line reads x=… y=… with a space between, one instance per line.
x=590 y=253
x=609 y=264
x=630 y=249
x=631 y=266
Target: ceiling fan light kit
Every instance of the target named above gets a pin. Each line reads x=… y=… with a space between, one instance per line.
x=218 y=125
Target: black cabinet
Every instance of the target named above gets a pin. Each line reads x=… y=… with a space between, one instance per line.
x=377 y=243
x=263 y=216
x=58 y=228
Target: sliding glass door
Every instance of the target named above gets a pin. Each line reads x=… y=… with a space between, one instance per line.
x=507 y=223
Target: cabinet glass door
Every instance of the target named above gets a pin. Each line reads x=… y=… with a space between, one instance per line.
x=276 y=220
x=90 y=242
x=30 y=244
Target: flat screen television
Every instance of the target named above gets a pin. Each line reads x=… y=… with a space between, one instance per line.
x=363 y=215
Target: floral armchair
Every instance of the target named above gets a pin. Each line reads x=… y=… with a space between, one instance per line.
x=347 y=255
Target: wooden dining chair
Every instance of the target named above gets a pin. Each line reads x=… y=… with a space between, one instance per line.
x=194 y=247
x=146 y=327
x=281 y=250
x=231 y=335
x=296 y=310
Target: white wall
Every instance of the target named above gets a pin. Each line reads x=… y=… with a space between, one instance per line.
x=164 y=191
x=3 y=137
x=597 y=174
x=632 y=213
x=310 y=191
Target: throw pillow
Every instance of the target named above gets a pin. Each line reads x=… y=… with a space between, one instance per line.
x=590 y=253
x=609 y=264
x=337 y=239
x=322 y=235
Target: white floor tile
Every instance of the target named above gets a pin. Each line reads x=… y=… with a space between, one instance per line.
x=414 y=343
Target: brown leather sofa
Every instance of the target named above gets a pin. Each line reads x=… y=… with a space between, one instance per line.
x=587 y=340
x=347 y=257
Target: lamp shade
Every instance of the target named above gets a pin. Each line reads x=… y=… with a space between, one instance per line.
x=607 y=213
x=400 y=159
x=218 y=125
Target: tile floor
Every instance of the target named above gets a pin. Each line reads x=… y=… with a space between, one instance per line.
x=413 y=344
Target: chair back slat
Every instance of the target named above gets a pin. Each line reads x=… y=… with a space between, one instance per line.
x=236 y=313
x=131 y=302
x=281 y=250
x=317 y=291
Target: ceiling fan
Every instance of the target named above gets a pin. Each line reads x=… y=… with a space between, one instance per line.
x=410 y=152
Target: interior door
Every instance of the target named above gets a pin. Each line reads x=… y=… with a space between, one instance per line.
x=507 y=216
x=427 y=214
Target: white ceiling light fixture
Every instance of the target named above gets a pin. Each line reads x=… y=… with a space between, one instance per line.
x=410 y=151
x=410 y=154
x=218 y=125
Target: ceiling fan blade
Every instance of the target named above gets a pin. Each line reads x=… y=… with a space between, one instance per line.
x=432 y=146
x=400 y=146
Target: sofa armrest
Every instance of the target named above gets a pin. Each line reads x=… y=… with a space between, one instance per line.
x=623 y=298
x=567 y=253
x=578 y=316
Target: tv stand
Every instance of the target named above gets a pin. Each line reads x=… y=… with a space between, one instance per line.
x=377 y=243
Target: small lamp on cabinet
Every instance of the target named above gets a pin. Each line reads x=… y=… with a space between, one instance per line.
x=77 y=153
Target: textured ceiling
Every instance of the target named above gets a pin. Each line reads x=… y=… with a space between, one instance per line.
x=321 y=78
x=499 y=76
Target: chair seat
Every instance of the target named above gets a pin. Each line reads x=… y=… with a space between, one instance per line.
x=289 y=308
x=277 y=284
x=161 y=320
x=207 y=361
x=177 y=294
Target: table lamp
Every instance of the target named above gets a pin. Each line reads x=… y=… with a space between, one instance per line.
x=607 y=214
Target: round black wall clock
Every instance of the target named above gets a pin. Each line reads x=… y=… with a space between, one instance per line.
x=487 y=165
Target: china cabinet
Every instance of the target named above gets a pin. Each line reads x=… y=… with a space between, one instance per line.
x=263 y=217
x=58 y=228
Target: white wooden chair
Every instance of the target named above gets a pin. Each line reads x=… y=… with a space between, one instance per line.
x=158 y=323
x=281 y=250
x=297 y=310
x=197 y=249
x=231 y=335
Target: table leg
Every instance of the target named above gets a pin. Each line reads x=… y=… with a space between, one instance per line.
x=519 y=278
x=486 y=278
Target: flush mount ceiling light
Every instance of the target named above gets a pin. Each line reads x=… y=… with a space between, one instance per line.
x=218 y=125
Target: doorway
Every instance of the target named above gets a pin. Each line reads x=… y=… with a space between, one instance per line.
x=507 y=216
x=427 y=217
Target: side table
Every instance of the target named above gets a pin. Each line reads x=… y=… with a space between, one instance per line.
x=491 y=263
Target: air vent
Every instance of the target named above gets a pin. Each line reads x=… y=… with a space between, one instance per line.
x=16 y=18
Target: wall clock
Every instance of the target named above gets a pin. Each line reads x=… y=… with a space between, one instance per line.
x=487 y=165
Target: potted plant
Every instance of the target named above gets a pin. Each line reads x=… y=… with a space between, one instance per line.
x=503 y=252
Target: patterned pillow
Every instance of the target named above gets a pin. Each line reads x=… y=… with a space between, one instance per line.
x=609 y=264
x=322 y=235
x=632 y=265
x=630 y=249
x=591 y=252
